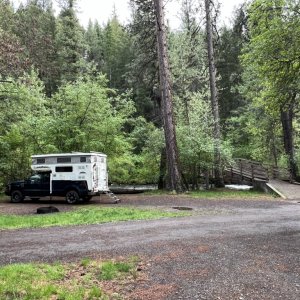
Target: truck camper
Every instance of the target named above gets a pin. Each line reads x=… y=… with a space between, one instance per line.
x=77 y=176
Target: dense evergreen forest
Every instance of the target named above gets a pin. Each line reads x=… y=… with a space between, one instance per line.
x=66 y=88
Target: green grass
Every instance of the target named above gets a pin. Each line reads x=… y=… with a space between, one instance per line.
x=222 y=193
x=83 y=216
x=61 y=281
x=229 y=194
x=111 y=270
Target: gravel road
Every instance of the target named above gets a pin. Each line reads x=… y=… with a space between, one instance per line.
x=228 y=249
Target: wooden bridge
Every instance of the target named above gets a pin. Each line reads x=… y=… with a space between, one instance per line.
x=243 y=170
x=265 y=176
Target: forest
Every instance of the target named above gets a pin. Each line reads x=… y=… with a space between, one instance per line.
x=227 y=92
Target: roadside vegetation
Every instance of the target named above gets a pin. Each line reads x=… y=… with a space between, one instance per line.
x=220 y=194
x=76 y=281
x=230 y=194
x=83 y=216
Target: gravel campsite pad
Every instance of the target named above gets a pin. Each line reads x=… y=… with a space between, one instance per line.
x=226 y=248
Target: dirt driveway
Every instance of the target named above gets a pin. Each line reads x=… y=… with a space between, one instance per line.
x=228 y=249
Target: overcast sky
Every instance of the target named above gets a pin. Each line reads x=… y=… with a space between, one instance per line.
x=101 y=10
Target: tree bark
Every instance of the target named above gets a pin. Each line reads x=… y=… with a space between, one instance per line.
x=219 y=182
x=286 y=116
x=173 y=180
x=273 y=144
x=162 y=170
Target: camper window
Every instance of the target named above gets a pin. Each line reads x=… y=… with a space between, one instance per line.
x=63 y=169
x=40 y=161
x=63 y=159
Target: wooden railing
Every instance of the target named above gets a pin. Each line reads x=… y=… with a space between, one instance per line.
x=278 y=173
x=247 y=170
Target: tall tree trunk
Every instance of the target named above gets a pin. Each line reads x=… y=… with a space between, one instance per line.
x=219 y=182
x=174 y=180
x=273 y=144
x=286 y=116
x=162 y=170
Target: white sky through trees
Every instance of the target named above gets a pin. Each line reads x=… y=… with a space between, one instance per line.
x=101 y=10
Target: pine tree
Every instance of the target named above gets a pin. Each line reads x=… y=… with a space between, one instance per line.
x=187 y=57
x=142 y=74
x=174 y=179
x=219 y=182
x=35 y=27
x=13 y=61
x=94 y=38
x=70 y=43
x=229 y=68
x=116 y=52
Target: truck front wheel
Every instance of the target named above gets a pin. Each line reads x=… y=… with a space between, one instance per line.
x=72 y=197
x=17 y=196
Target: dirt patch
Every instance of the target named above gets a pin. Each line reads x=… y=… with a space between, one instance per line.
x=29 y=208
x=164 y=202
x=193 y=274
x=169 y=255
x=202 y=249
x=153 y=292
x=182 y=208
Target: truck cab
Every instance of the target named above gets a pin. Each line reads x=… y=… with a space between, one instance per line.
x=35 y=187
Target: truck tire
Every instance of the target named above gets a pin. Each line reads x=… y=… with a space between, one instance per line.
x=72 y=197
x=17 y=196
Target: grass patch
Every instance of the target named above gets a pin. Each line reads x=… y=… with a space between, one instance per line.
x=111 y=270
x=222 y=193
x=83 y=216
x=62 y=281
x=229 y=194
x=159 y=192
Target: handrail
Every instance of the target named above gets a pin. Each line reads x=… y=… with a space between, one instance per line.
x=256 y=170
x=246 y=169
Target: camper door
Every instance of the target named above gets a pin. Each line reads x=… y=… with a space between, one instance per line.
x=95 y=177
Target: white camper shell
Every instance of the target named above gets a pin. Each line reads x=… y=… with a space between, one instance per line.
x=76 y=167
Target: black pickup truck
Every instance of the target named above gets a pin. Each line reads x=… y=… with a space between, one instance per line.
x=39 y=185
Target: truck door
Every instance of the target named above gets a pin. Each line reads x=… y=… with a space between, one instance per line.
x=38 y=185
x=45 y=184
x=32 y=185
